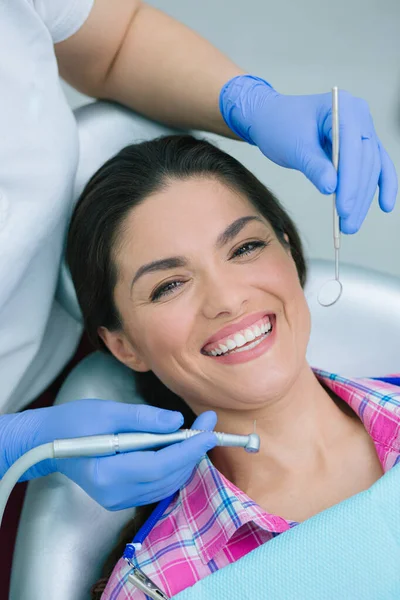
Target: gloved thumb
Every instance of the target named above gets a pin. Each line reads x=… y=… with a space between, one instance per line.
x=318 y=168
x=206 y=421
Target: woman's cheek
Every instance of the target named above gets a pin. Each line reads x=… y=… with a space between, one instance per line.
x=168 y=329
x=277 y=278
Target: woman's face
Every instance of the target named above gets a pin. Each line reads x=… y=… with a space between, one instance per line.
x=209 y=298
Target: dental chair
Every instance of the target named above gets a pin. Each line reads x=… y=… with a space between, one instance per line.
x=64 y=536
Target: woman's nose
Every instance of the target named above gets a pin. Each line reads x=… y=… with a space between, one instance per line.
x=223 y=296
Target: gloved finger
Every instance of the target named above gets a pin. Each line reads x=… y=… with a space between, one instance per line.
x=147 y=466
x=152 y=492
x=179 y=456
x=118 y=497
x=350 y=166
x=109 y=481
x=113 y=481
x=388 y=183
x=371 y=168
x=206 y=421
x=141 y=417
x=127 y=496
x=318 y=168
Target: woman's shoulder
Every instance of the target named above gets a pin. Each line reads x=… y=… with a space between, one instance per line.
x=376 y=401
x=370 y=390
x=373 y=399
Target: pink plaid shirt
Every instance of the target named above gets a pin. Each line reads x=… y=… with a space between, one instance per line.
x=212 y=523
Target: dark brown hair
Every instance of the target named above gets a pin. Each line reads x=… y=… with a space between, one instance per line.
x=119 y=185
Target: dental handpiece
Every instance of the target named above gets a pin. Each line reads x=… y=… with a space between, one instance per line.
x=106 y=445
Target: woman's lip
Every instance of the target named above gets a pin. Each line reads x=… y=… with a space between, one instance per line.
x=236 y=358
x=235 y=327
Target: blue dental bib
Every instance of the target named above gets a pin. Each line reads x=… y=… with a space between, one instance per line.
x=350 y=551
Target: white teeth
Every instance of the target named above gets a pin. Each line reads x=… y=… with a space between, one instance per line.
x=250 y=346
x=240 y=340
x=249 y=335
x=231 y=344
x=257 y=330
x=244 y=338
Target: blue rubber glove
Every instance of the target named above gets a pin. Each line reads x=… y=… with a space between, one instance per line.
x=296 y=132
x=115 y=482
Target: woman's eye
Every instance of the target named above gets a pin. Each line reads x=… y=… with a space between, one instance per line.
x=165 y=289
x=248 y=248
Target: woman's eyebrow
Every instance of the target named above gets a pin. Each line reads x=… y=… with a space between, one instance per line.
x=164 y=264
x=234 y=228
x=173 y=262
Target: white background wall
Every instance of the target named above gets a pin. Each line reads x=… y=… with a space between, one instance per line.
x=304 y=47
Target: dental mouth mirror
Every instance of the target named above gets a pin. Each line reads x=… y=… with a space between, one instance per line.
x=331 y=290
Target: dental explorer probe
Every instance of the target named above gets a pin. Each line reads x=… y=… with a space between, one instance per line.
x=107 y=445
x=331 y=291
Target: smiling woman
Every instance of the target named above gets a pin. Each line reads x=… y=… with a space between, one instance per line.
x=193 y=277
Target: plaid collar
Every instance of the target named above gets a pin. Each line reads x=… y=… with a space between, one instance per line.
x=376 y=403
x=215 y=509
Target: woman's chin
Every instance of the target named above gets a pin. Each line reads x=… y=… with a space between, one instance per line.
x=256 y=392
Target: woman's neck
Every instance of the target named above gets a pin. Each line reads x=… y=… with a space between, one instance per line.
x=299 y=435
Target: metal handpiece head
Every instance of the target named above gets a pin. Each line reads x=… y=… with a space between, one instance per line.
x=253 y=444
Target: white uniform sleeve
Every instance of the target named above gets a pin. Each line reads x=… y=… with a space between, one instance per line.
x=63 y=18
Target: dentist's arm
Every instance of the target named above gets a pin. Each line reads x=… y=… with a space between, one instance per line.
x=134 y=54
x=139 y=56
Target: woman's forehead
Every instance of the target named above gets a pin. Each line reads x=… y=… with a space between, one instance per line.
x=194 y=204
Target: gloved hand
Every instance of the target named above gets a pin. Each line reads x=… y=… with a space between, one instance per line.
x=296 y=132
x=115 y=482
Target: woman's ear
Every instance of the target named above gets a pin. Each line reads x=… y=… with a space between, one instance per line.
x=288 y=246
x=123 y=350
